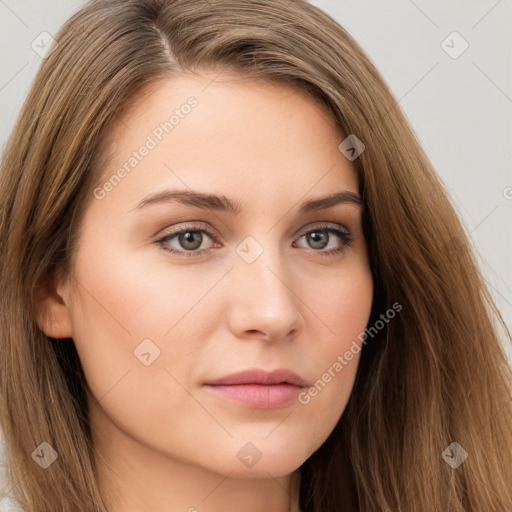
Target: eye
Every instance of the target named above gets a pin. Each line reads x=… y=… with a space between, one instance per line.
x=325 y=240
x=334 y=239
x=186 y=241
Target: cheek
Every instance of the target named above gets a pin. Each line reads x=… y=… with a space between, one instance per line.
x=121 y=315
x=341 y=313
x=130 y=313
x=136 y=298
x=341 y=301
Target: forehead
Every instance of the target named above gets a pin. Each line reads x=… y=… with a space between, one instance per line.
x=226 y=134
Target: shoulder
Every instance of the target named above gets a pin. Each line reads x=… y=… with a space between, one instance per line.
x=8 y=504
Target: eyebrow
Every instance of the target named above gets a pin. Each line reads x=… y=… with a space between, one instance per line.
x=223 y=203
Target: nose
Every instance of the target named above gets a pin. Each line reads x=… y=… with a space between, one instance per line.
x=265 y=304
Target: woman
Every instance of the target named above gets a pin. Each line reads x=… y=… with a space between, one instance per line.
x=233 y=280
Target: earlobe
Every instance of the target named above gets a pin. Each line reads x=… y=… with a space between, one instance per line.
x=52 y=312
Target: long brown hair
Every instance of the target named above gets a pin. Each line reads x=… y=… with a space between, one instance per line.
x=434 y=375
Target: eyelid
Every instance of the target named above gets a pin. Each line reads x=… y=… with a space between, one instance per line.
x=192 y=225
x=342 y=232
x=323 y=225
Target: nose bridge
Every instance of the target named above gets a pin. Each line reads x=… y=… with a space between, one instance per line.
x=265 y=300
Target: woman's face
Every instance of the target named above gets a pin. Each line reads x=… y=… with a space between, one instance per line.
x=259 y=278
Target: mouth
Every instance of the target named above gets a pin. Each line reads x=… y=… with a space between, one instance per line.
x=257 y=388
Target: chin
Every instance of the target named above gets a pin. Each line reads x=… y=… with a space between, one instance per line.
x=263 y=470
x=261 y=458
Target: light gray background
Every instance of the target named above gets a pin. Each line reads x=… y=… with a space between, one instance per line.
x=460 y=108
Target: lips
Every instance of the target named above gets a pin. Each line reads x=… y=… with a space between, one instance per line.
x=259 y=389
x=258 y=376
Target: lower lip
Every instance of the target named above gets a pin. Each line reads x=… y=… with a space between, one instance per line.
x=259 y=396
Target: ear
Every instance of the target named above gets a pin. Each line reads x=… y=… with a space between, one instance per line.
x=52 y=310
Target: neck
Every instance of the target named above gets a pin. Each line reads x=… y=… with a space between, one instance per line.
x=134 y=477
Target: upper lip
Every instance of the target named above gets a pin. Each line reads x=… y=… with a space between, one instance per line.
x=259 y=376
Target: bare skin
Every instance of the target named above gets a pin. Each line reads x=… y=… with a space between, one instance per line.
x=165 y=442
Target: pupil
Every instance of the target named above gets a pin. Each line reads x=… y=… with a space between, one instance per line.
x=187 y=240
x=318 y=237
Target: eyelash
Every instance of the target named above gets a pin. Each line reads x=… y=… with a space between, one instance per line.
x=345 y=235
